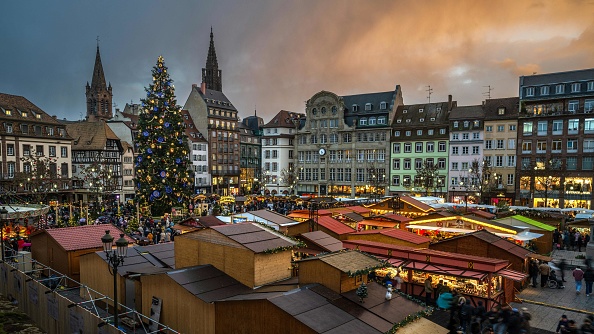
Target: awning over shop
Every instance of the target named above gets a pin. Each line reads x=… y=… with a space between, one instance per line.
x=445 y=270
x=525 y=236
x=512 y=274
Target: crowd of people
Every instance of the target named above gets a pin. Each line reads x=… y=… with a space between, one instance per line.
x=570 y=239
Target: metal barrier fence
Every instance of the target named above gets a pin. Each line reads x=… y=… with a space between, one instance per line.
x=58 y=304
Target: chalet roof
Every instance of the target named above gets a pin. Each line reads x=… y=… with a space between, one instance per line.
x=495 y=240
x=348 y=261
x=481 y=213
x=283 y=119
x=254 y=237
x=376 y=244
x=334 y=225
x=416 y=203
x=529 y=221
x=90 y=135
x=208 y=283
x=209 y=221
x=358 y=209
x=397 y=217
x=467 y=113
x=322 y=240
x=397 y=234
x=274 y=217
x=312 y=306
x=18 y=104
x=354 y=216
x=146 y=259
x=82 y=237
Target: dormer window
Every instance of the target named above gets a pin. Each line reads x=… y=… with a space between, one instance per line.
x=383 y=106
x=422 y=120
x=334 y=110
x=560 y=89
x=38 y=116
x=404 y=111
x=408 y=120
x=363 y=121
x=8 y=112
x=355 y=107
x=23 y=114
x=438 y=108
x=432 y=119
x=193 y=135
x=575 y=87
x=501 y=111
x=421 y=110
x=367 y=106
x=399 y=120
x=466 y=124
x=456 y=124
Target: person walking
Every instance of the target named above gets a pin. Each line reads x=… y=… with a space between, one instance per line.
x=578 y=275
x=562 y=267
x=589 y=278
x=544 y=270
x=428 y=290
x=533 y=271
x=563 y=323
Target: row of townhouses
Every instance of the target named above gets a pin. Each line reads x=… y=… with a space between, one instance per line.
x=536 y=149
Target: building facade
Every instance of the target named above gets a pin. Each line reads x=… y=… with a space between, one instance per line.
x=278 y=156
x=216 y=118
x=556 y=139
x=342 y=147
x=499 y=150
x=35 y=152
x=198 y=155
x=250 y=156
x=419 y=149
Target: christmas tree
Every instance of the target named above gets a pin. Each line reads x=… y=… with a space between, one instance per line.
x=163 y=179
x=361 y=292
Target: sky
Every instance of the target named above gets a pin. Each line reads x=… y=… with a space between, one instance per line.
x=276 y=54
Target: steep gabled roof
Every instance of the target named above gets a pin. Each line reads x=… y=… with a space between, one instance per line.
x=90 y=135
x=334 y=225
x=83 y=237
x=416 y=203
x=322 y=240
x=283 y=119
x=17 y=103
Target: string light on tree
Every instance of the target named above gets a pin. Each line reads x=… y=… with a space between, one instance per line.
x=162 y=179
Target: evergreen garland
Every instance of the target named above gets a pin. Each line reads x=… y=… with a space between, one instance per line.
x=163 y=178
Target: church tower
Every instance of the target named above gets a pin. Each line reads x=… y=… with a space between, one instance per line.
x=211 y=75
x=98 y=94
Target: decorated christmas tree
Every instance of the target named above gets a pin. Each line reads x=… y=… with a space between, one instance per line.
x=163 y=179
x=361 y=292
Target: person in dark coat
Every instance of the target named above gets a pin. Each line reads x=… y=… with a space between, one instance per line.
x=562 y=267
x=563 y=322
x=533 y=271
x=589 y=279
x=466 y=315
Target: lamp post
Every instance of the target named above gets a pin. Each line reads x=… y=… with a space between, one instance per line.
x=3 y=219
x=115 y=257
x=466 y=202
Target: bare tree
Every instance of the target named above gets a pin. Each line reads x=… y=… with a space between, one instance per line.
x=39 y=177
x=427 y=178
x=289 y=178
x=482 y=179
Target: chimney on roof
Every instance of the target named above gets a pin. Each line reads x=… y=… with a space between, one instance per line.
x=203 y=88
x=449 y=102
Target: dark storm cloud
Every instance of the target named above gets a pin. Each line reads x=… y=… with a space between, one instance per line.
x=277 y=54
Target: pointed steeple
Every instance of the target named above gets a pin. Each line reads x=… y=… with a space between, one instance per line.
x=211 y=75
x=99 y=95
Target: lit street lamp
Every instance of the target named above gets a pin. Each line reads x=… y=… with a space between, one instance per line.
x=115 y=257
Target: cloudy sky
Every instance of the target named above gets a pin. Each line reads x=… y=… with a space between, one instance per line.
x=276 y=54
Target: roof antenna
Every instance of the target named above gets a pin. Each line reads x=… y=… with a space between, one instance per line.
x=97 y=41
x=255 y=111
x=429 y=91
x=488 y=92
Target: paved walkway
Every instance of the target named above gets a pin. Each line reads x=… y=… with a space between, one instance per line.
x=547 y=305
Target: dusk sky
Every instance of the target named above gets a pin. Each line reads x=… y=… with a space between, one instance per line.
x=276 y=54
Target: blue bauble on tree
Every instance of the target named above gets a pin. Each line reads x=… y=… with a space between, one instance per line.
x=139 y=158
x=163 y=174
x=145 y=133
x=178 y=161
x=160 y=139
x=156 y=194
x=149 y=151
x=167 y=124
x=168 y=189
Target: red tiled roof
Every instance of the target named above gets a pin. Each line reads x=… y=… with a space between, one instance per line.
x=334 y=225
x=397 y=234
x=418 y=204
x=84 y=237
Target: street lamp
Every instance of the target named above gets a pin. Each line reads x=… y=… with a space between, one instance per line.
x=3 y=220
x=115 y=257
x=466 y=202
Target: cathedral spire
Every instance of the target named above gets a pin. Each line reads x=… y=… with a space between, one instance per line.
x=99 y=96
x=211 y=75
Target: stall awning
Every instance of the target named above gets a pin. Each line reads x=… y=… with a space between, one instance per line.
x=445 y=270
x=512 y=274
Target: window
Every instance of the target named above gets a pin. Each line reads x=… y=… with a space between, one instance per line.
x=367 y=106
x=588 y=106
x=541 y=146
x=489 y=128
x=576 y=87
x=395 y=163
x=465 y=136
x=396 y=133
x=24 y=128
x=396 y=148
x=573 y=106
x=454 y=166
x=323 y=138
x=430 y=132
x=560 y=89
x=363 y=121
x=407 y=148
x=381 y=120
x=407 y=164
x=544 y=90
x=573 y=126
x=26 y=150
x=455 y=136
x=455 y=124
x=347 y=138
x=526 y=147
x=418 y=163
x=52 y=151
x=510 y=179
x=476 y=135
x=455 y=150
x=588 y=145
x=466 y=124
x=556 y=146
x=407 y=133
x=499 y=161
x=488 y=144
x=419 y=132
x=465 y=150
x=542 y=128
x=500 y=144
x=418 y=147
x=590 y=85
x=500 y=128
x=589 y=125
x=475 y=150
x=395 y=180
x=529 y=91
x=527 y=128
x=588 y=163
x=430 y=147
x=8 y=127
x=372 y=120
x=571 y=163
x=442 y=131
x=333 y=138
x=557 y=127
x=10 y=149
x=572 y=145
x=383 y=105
x=441 y=146
x=511 y=161
x=11 y=166
x=511 y=144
